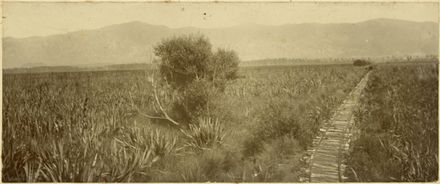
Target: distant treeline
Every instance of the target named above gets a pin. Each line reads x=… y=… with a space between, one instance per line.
x=262 y=62
x=43 y=69
x=345 y=60
x=294 y=61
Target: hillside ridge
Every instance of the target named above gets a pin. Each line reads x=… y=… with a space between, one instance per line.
x=133 y=42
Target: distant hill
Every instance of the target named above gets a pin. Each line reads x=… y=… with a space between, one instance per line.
x=133 y=42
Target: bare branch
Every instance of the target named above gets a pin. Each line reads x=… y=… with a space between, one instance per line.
x=160 y=105
x=156 y=97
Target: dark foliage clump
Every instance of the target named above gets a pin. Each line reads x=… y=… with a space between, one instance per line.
x=361 y=62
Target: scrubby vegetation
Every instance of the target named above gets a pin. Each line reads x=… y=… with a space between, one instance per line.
x=198 y=117
x=398 y=123
x=89 y=126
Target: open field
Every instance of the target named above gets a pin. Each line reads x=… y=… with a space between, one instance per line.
x=88 y=126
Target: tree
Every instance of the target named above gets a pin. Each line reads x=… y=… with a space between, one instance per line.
x=189 y=66
x=223 y=67
x=185 y=58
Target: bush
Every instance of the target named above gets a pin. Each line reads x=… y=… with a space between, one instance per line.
x=183 y=59
x=194 y=100
x=189 y=66
x=186 y=58
x=361 y=62
x=224 y=67
x=277 y=121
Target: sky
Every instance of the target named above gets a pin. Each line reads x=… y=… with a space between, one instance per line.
x=27 y=19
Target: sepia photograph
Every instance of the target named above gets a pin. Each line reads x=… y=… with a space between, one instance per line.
x=237 y=92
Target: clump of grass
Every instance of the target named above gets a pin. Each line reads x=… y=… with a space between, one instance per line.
x=206 y=134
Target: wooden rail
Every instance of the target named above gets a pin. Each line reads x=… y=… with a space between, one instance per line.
x=326 y=155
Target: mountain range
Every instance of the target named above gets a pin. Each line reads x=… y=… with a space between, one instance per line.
x=133 y=42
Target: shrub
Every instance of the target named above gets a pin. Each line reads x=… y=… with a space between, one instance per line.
x=186 y=58
x=183 y=59
x=277 y=121
x=224 y=67
x=189 y=66
x=193 y=102
x=361 y=62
